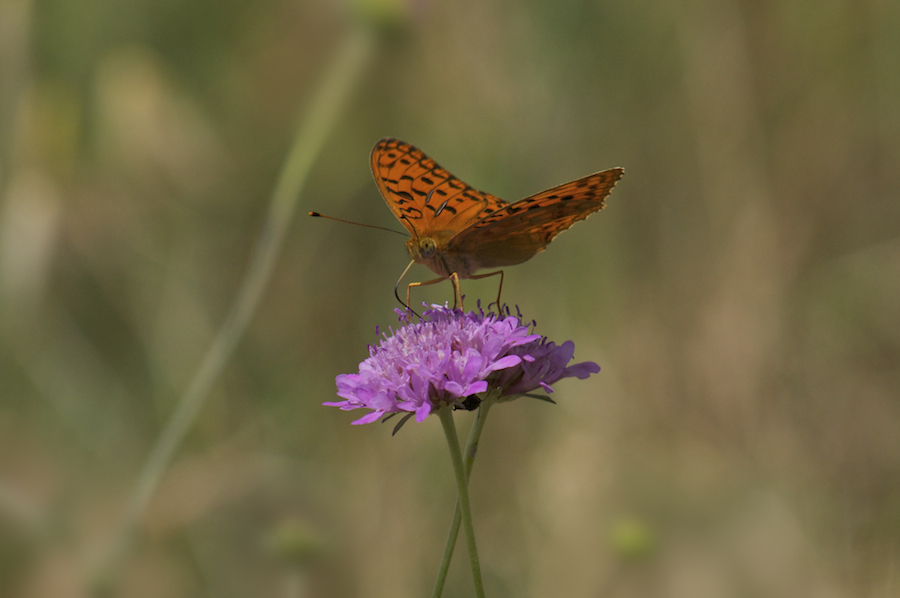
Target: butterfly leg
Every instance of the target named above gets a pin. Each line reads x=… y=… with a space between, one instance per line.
x=499 y=289
x=422 y=284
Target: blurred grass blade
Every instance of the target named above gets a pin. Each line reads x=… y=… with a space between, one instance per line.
x=313 y=129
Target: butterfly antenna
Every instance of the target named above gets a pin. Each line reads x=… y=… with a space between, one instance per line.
x=317 y=215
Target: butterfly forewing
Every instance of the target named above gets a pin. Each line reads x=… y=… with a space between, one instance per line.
x=424 y=196
x=519 y=230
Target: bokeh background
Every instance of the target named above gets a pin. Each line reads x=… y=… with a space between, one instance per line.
x=741 y=292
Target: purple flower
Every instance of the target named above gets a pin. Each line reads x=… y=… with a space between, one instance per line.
x=448 y=356
x=543 y=363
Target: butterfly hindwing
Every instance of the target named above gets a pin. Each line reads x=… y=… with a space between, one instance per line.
x=424 y=196
x=521 y=229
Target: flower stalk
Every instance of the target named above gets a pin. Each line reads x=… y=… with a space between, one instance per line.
x=462 y=486
x=468 y=461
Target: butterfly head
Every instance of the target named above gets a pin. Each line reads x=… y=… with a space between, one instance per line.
x=429 y=250
x=421 y=249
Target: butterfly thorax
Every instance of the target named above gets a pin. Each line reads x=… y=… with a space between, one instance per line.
x=430 y=251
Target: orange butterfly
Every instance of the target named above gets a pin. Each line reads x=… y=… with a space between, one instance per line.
x=457 y=230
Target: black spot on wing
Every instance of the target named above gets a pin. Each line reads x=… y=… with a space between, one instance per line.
x=411 y=211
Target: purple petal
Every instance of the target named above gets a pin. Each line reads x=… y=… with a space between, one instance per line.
x=582 y=370
x=368 y=418
x=475 y=388
x=423 y=411
x=506 y=362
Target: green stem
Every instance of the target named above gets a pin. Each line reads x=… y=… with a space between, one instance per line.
x=462 y=486
x=470 y=452
x=311 y=133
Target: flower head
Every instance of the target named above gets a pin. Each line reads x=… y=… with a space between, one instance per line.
x=450 y=355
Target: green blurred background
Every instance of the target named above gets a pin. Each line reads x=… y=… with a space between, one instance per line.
x=741 y=292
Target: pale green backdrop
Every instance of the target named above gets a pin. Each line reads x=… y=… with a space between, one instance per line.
x=740 y=292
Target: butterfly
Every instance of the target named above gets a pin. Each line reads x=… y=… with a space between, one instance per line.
x=456 y=230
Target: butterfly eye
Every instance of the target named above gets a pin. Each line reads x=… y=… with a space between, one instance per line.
x=427 y=247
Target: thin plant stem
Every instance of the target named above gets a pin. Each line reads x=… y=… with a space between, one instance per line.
x=312 y=131
x=446 y=415
x=468 y=461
